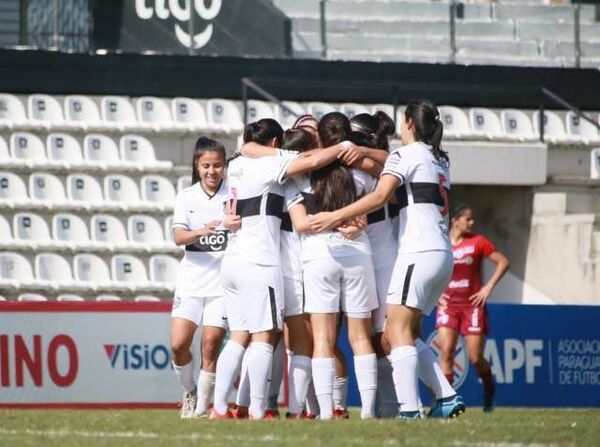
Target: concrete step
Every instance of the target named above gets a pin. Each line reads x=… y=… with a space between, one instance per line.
x=557 y=31
x=570 y=200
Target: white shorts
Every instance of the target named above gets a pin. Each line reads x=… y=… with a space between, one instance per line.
x=420 y=278
x=383 y=276
x=293 y=295
x=253 y=295
x=344 y=284
x=201 y=311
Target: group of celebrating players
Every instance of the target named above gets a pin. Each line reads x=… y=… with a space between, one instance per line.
x=303 y=227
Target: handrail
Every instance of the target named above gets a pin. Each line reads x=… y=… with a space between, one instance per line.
x=248 y=83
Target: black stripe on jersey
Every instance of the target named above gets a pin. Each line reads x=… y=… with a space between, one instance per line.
x=251 y=207
x=273 y=307
x=309 y=203
x=376 y=216
x=406 y=288
x=422 y=193
x=393 y=210
x=286 y=222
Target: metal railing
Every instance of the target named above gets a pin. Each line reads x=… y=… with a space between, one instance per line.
x=248 y=84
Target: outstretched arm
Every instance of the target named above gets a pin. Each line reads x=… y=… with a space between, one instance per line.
x=502 y=264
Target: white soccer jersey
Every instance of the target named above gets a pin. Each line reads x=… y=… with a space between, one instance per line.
x=255 y=186
x=291 y=244
x=199 y=271
x=331 y=244
x=422 y=198
x=380 y=230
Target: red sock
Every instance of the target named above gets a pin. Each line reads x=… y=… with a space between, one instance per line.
x=450 y=378
x=487 y=379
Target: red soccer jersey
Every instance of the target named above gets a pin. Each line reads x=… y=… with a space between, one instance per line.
x=466 y=277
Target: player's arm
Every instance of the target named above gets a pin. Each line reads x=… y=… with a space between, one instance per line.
x=183 y=236
x=383 y=191
x=369 y=166
x=352 y=155
x=301 y=223
x=502 y=265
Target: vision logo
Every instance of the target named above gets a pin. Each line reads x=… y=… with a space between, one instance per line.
x=137 y=356
x=181 y=10
x=460 y=368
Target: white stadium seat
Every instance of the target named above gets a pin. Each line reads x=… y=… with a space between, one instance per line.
x=285 y=117
x=158 y=190
x=13 y=192
x=318 y=109
x=28 y=148
x=257 y=110
x=163 y=270
x=45 y=110
x=4 y=154
x=581 y=130
x=69 y=297
x=223 y=115
x=3 y=298
x=485 y=123
x=109 y=230
x=64 y=149
x=15 y=271
x=84 y=190
x=118 y=111
x=47 y=190
x=188 y=114
x=184 y=182
x=147 y=299
x=351 y=109
x=32 y=297
x=82 y=111
x=54 y=271
x=101 y=150
x=154 y=113
x=71 y=230
x=12 y=112
x=107 y=298
x=554 y=127
x=169 y=230
x=137 y=151
x=129 y=270
x=32 y=229
x=121 y=190
x=5 y=231
x=145 y=230
x=92 y=271
x=455 y=121
x=516 y=125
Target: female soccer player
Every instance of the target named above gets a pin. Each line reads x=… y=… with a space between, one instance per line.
x=461 y=308
x=251 y=275
x=418 y=173
x=199 y=211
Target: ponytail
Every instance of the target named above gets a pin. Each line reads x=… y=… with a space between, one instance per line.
x=428 y=127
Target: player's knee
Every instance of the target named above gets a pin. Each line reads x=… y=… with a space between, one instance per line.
x=179 y=347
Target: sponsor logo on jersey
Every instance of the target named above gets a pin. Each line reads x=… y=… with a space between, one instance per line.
x=460 y=253
x=211 y=242
x=137 y=356
x=458 y=284
x=460 y=367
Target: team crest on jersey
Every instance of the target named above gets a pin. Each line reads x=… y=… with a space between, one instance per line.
x=460 y=368
x=469 y=260
x=176 y=302
x=210 y=243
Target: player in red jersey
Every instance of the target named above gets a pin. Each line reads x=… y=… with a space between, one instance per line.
x=461 y=308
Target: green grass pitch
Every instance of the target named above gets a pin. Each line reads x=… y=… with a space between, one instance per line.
x=502 y=428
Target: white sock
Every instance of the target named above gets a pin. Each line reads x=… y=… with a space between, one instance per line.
x=206 y=390
x=312 y=404
x=185 y=374
x=299 y=378
x=228 y=367
x=404 y=360
x=259 y=370
x=243 y=394
x=340 y=392
x=430 y=372
x=386 y=393
x=365 y=367
x=323 y=371
x=276 y=375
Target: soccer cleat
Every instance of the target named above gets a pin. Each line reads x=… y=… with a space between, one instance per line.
x=340 y=413
x=309 y=415
x=302 y=415
x=488 y=399
x=448 y=407
x=240 y=413
x=188 y=404
x=271 y=414
x=409 y=415
x=216 y=416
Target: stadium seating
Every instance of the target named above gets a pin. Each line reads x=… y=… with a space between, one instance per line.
x=12 y=112
x=188 y=115
x=13 y=192
x=154 y=113
x=15 y=271
x=259 y=109
x=286 y=118
x=223 y=115
x=32 y=297
x=69 y=297
x=45 y=110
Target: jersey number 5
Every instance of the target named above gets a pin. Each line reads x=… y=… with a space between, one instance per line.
x=443 y=194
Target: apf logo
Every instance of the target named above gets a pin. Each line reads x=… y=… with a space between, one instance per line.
x=182 y=14
x=460 y=368
x=137 y=356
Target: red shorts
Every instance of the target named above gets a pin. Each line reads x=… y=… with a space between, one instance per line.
x=466 y=320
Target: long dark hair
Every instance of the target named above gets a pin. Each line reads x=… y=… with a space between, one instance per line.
x=373 y=130
x=333 y=186
x=427 y=124
x=298 y=140
x=263 y=131
x=204 y=145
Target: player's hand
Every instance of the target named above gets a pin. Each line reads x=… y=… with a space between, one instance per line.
x=478 y=299
x=350 y=154
x=323 y=221
x=232 y=222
